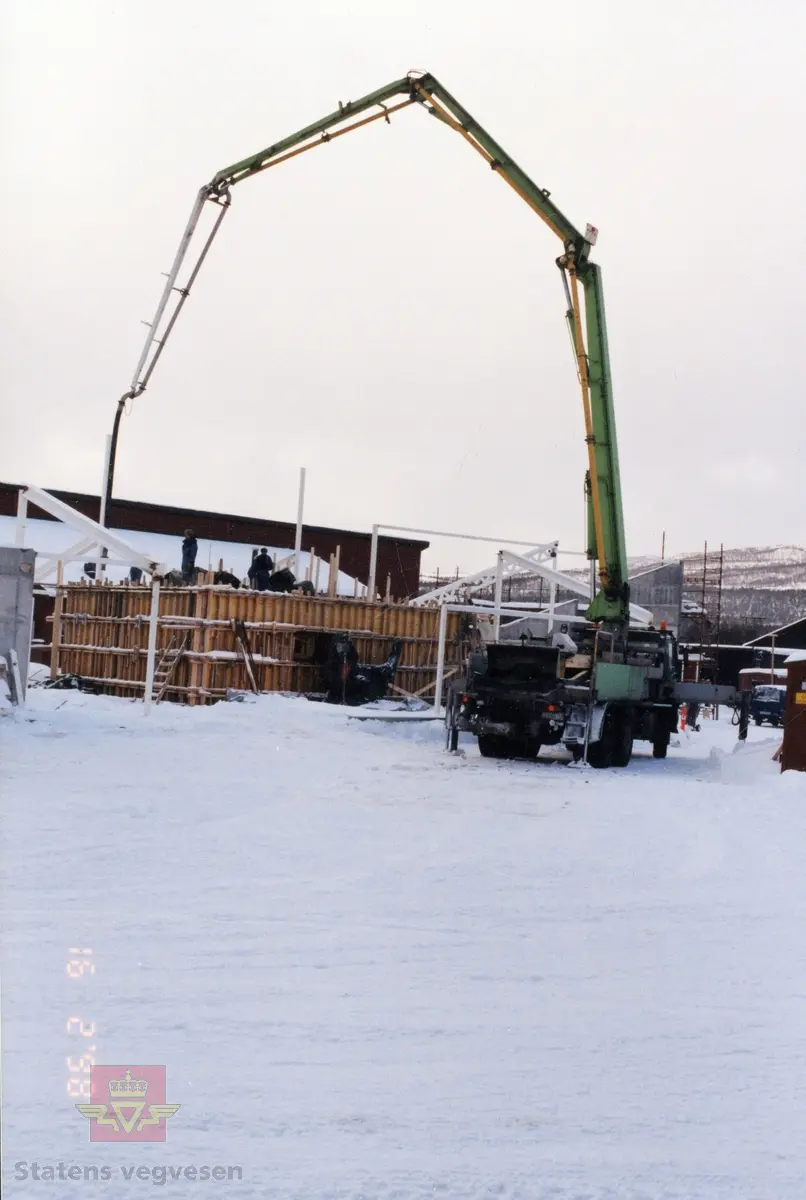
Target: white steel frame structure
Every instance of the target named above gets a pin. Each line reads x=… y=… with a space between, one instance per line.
x=536 y=559
x=96 y=537
x=542 y=549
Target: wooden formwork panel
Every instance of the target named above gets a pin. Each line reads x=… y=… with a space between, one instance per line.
x=388 y=620
x=103 y=636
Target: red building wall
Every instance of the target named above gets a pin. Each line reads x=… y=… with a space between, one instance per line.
x=398 y=557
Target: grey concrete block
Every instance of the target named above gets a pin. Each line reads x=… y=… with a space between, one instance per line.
x=16 y=604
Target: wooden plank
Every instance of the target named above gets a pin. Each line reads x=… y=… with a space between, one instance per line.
x=56 y=636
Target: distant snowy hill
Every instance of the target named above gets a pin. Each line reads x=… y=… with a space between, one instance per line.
x=762 y=586
x=765 y=585
x=767 y=567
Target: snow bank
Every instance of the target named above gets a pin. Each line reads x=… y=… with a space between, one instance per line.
x=750 y=762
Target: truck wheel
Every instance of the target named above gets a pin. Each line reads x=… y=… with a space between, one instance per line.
x=614 y=748
x=660 y=746
x=453 y=739
x=491 y=746
x=622 y=740
x=600 y=754
x=757 y=720
x=528 y=748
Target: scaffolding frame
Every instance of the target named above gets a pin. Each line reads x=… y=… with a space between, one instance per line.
x=706 y=581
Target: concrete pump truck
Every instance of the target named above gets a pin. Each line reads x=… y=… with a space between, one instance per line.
x=608 y=685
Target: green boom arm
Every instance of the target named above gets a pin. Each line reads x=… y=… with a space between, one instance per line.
x=588 y=331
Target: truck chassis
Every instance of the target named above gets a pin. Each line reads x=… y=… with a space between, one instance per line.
x=518 y=696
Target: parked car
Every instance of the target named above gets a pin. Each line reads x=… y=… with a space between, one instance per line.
x=767 y=703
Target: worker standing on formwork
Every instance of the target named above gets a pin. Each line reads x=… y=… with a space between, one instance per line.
x=190 y=549
x=261 y=569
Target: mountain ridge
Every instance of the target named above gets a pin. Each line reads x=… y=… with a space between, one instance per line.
x=768 y=568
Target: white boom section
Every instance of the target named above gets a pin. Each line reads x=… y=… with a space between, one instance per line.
x=170 y=286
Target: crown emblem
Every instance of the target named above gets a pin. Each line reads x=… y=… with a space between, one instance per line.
x=128 y=1088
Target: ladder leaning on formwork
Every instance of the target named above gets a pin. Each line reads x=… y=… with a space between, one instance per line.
x=166 y=667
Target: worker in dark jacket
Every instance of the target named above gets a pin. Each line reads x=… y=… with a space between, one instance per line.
x=189 y=550
x=261 y=569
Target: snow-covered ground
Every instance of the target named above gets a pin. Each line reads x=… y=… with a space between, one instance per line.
x=51 y=537
x=376 y=970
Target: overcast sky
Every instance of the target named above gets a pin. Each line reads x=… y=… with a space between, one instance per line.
x=384 y=310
